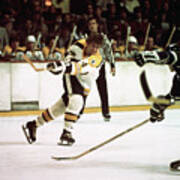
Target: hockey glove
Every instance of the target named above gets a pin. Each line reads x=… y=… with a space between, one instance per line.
x=157 y=110
x=56 y=67
x=139 y=59
x=150 y=57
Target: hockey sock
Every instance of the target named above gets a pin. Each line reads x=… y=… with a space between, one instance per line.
x=68 y=125
x=44 y=117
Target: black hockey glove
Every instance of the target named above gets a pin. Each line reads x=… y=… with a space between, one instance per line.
x=56 y=67
x=50 y=66
x=139 y=59
x=157 y=110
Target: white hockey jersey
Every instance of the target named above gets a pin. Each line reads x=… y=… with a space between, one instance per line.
x=81 y=71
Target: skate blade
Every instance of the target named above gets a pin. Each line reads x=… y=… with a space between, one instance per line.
x=106 y=119
x=26 y=135
x=64 y=144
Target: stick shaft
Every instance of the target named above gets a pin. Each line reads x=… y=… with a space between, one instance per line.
x=147 y=34
x=54 y=44
x=37 y=41
x=32 y=65
x=127 y=39
x=72 y=36
x=103 y=143
x=113 y=138
x=170 y=36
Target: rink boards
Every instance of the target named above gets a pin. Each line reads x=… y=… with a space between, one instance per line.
x=22 y=86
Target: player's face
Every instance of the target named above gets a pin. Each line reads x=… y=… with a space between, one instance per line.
x=92 y=48
x=93 y=26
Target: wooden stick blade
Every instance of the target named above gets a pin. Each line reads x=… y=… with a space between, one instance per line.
x=62 y=158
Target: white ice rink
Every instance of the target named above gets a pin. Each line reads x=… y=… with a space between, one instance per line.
x=143 y=154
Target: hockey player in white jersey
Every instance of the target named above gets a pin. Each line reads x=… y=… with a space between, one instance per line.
x=80 y=68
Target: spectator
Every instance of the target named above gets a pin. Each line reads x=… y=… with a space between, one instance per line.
x=31 y=51
x=68 y=21
x=147 y=10
x=104 y=4
x=101 y=20
x=63 y=5
x=120 y=4
x=132 y=47
x=51 y=51
x=89 y=11
x=111 y=16
x=27 y=29
x=131 y=5
x=123 y=23
x=78 y=6
x=14 y=51
x=64 y=37
x=139 y=25
x=9 y=25
x=150 y=45
x=50 y=17
x=58 y=24
x=44 y=28
x=4 y=38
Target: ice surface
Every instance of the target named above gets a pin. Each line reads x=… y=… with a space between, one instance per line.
x=143 y=154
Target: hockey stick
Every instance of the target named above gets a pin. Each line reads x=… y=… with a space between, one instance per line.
x=32 y=65
x=149 y=96
x=101 y=144
x=37 y=41
x=169 y=41
x=54 y=44
x=127 y=39
x=72 y=36
x=147 y=34
x=170 y=36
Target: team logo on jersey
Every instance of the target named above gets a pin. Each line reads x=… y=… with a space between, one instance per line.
x=94 y=61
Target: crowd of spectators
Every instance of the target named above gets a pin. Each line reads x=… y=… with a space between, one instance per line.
x=21 y=18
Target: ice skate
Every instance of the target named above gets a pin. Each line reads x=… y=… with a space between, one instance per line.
x=66 y=139
x=175 y=165
x=158 y=117
x=107 y=117
x=30 y=131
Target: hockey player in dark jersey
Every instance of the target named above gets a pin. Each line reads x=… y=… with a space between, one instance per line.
x=171 y=57
x=80 y=69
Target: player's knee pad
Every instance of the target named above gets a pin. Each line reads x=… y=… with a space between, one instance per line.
x=57 y=109
x=73 y=109
x=75 y=104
